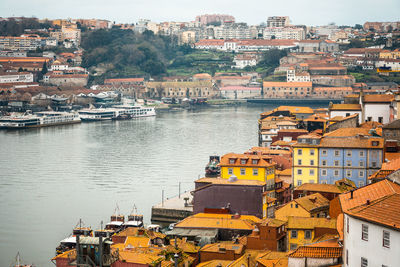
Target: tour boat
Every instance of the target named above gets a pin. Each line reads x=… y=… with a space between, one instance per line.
x=39 y=119
x=98 y=114
x=136 y=111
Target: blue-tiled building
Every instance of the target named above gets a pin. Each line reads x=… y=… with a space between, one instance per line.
x=355 y=158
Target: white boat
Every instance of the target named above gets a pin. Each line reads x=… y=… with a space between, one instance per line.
x=117 y=112
x=98 y=114
x=136 y=111
x=39 y=119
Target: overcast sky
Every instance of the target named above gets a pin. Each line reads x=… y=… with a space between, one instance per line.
x=308 y=12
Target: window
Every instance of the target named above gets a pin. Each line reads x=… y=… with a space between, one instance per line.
x=312 y=172
x=348 y=173
x=311 y=181
x=299 y=172
x=347 y=257
x=336 y=172
x=347 y=224
x=324 y=181
x=312 y=152
x=348 y=153
x=324 y=163
x=336 y=163
x=360 y=184
x=364 y=262
x=255 y=172
x=373 y=164
x=324 y=152
x=231 y=161
x=361 y=174
x=386 y=239
x=299 y=162
x=300 y=152
x=364 y=233
x=323 y=172
x=293 y=246
x=307 y=234
x=242 y=161
x=337 y=153
x=293 y=234
x=348 y=163
x=312 y=162
x=255 y=161
x=361 y=153
x=299 y=182
x=361 y=163
x=242 y=171
x=230 y=171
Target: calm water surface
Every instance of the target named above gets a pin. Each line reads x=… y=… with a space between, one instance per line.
x=52 y=177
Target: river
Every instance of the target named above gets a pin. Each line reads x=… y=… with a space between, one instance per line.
x=52 y=177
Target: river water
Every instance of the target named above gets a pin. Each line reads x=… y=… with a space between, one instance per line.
x=52 y=177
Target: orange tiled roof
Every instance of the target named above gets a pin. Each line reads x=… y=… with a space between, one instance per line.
x=348 y=132
x=287 y=84
x=369 y=192
x=237 y=248
x=262 y=161
x=378 y=98
x=370 y=124
x=227 y=182
x=310 y=223
x=352 y=142
x=329 y=188
x=123 y=80
x=345 y=107
x=213 y=263
x=382 y=211
x=313 y=201
x=317 y=252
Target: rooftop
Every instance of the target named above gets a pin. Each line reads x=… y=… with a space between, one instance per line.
x=310 y=223
x=227 y=182
x=378 y=98
x=384 y=211
x=313 y=201
x=369 y=192
x=317 y=252
x=328 y=188
x=356 y=107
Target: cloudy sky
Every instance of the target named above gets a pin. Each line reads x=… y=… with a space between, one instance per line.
x=309 y=12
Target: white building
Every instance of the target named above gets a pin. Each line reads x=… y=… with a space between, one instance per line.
x=16 y=77
x=240 y=92
x=377 y=108
x=284 y=33
x=372 y=233
x=278 y=21
x=243 y=60
x=345 y=110
x=292 y=76
x=394 y=64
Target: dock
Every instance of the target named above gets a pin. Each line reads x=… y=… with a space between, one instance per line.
x=172 y=210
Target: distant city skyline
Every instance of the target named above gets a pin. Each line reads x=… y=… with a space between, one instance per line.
x=308 y=12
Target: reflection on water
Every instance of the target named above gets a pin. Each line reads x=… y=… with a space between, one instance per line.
x=52 y=177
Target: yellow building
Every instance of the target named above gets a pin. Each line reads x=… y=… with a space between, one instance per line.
x=314 y=205
x=395 y=54
x=305 y=159
x=301 y=231
x=268 y=205
x=248 y=167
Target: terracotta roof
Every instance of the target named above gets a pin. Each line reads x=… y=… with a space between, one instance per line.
x=378 y=98
x=273 y=259
x=348 y=132
x=269 y=151
x=272 y=222
x=286 y=172
x=239 y=88
x=218 y=221
x=392 y=156
x=352 y=142
x=237 y=248
x=317 y=252
x=369 y=192
x=123 y=80
x=135 y=241
x=227 y=182
x=261 y=160
x=328 y=188
x=384 y=211
x=295 y=109
x=313 y=201
x=370 y=124
x=356 y=107
x=287 y=84
x=310 y=223
x=214 y=263
x=138 y=258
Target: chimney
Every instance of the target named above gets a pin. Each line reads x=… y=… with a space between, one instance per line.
x=351 y=194
x=368 y=202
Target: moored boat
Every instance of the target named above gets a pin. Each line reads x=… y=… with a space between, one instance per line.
x=39 y=119
x=70 y=242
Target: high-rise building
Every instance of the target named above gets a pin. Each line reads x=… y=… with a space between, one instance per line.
x=278 y=21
